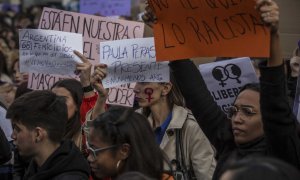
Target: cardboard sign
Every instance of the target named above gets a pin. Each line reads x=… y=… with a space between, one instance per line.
x=39 y=81
x=132 y=60
x=209 y=28
x=93 y=28
x=106 y=8
x=121 y=95
x=47 y=51
x=224 y=79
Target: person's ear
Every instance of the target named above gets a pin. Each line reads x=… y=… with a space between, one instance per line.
x=124 y=151
x=39 y=134
x=166 y=88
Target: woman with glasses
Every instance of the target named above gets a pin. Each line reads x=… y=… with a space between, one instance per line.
x=261 y=123
x=121 y=140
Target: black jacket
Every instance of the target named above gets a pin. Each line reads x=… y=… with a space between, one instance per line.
x=5 y=151
x=280 y=138
x=65 y=163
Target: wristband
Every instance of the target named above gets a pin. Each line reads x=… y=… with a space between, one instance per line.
x=88 y=88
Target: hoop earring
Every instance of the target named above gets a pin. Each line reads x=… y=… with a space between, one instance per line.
x=118 y=164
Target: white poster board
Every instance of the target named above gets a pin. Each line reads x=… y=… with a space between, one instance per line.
x=132 y=60
x=47 y=51
x=225 y=78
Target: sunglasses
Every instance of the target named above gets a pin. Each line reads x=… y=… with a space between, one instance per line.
x=245 y=110
x=95 y=152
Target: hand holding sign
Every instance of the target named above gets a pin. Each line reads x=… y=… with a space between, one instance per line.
x=269 y=13
x=149 y=17
x=99 y=74
x=84 y=68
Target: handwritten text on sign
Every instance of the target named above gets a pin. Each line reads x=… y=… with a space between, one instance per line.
x=224 y=79
x=47 y=51
x=39 y=81
x=93 y=28
x=193 y=28
x=132 y=60
x=121 y=95
x=106 y=8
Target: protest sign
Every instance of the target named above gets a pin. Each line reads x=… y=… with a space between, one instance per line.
x=224 y=79
x=209 y=28
x=47 y=51
x=106 y=8
x=39 y=81
x=93 y=28
x=132 y=60
x=121 y=95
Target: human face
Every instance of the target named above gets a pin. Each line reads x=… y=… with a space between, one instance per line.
x=19 y=77
x=149 y=93
x=71 y=105
x=104 y=162
x=23 y=139
x=247 y=127
x=10 y=96
x=7 y=92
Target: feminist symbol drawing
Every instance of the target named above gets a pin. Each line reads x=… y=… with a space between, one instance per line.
x=230 y=71
x=149 y=92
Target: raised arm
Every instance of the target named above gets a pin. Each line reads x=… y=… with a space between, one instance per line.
x=98 y=75
x=210 y=117
x=90 y=96
x=278 y=119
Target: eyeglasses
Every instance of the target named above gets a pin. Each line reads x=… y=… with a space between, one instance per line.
x=95 y=152
x=245 y=110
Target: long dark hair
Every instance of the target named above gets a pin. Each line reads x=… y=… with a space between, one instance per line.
x=121 y=125
x=251 y=86
x=262 y=168
x=75 y=88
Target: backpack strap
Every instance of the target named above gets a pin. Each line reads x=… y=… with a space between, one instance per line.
x=179 y=152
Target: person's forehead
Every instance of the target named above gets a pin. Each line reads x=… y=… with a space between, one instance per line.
x=18 y=124
x=248 y=97
x=61 y=91
x=94 y=139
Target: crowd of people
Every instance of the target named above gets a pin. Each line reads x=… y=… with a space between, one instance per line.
x=69 y=132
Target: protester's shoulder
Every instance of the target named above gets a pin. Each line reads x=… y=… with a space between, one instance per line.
x=74 y=175
x=190 y=119
x=2 y=106
x=190 y=123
